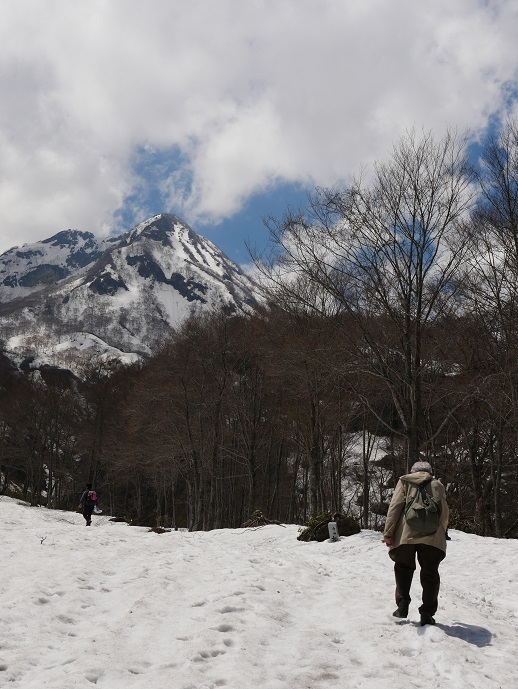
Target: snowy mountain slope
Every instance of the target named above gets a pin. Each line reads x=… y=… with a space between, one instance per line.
x=123 y=608
x=131 y=291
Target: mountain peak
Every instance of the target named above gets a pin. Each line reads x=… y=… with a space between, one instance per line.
x=159 y=228
x=131 y=291
x=68 y=238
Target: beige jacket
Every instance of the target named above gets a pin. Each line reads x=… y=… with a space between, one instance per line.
x=395 y=525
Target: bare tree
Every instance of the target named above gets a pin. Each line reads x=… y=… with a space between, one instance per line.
x=387 y=252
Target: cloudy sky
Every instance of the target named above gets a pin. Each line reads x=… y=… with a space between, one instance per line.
x=225 y=111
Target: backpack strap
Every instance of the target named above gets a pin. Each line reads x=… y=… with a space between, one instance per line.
x=423 y=488
x=427 y=487
x=426 y=490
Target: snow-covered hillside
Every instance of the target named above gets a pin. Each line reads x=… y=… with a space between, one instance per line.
x=121 y=607
x=32 y=267
x=71 y=352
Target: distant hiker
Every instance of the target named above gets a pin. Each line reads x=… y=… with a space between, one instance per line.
x=88 y=502
x=405 y=540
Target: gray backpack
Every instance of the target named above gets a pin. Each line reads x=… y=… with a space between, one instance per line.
x=422 y=510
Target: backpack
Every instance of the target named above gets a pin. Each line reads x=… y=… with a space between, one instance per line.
x=423 y=510
x=90 y=496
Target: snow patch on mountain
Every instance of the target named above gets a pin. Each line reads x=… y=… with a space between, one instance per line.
x=73 y=353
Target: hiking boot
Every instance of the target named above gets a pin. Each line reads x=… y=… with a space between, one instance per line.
x=402 y=609
x=426 y=618
x=88 y=522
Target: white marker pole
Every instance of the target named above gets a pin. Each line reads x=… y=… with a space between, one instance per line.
x=333 y=532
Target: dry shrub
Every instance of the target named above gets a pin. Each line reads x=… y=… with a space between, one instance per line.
x=317 y=529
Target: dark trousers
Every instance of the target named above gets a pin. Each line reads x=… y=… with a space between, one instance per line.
x=429 y=559
x=87 y=511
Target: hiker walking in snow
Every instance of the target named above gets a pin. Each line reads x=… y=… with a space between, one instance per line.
x=416 y=524
x=88 y=502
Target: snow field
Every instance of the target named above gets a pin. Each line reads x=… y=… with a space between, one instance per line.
x=120 y=607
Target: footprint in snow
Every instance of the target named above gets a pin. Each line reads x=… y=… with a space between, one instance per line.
x=230 y=608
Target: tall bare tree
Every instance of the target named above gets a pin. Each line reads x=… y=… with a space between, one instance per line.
x=387 y=251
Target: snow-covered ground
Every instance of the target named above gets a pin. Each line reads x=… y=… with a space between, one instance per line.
x=121 y=607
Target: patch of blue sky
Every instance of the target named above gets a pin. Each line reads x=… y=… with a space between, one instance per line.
x=151 y=168
x=247 y=227
x=495 y=122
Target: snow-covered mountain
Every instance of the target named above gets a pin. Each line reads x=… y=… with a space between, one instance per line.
x=129 y=291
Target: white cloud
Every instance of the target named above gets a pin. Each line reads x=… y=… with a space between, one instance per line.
x=250 y=93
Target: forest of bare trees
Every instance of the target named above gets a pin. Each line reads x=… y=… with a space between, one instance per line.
x=390 y=334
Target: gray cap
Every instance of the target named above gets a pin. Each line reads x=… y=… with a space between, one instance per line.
x=421 y=466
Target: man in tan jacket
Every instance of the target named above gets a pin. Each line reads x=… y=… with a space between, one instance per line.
x=404 y=544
